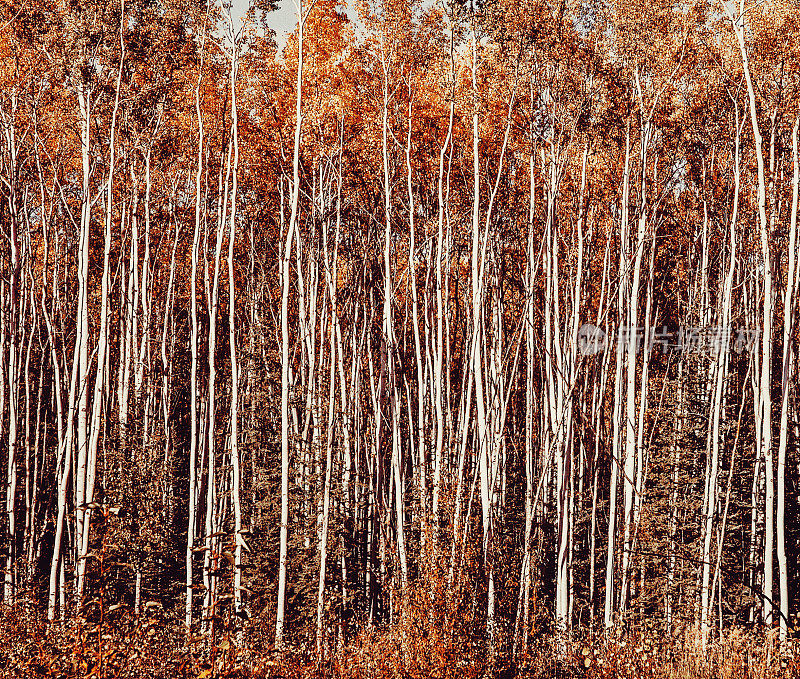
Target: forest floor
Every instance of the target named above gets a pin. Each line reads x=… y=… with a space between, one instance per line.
x=120 y=645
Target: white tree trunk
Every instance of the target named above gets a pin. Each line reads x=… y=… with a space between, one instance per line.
x=787 y=365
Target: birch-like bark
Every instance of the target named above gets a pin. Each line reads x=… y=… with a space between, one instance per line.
x=82 y=346
x=102 y=340
x=440 y=405
x=236 y=471
x=530 y=355
x=213 y=497
x=786 y=381
x=632 y=348
x=622 y=293
x=720 y=378
x=764 y=432
x=422 y=386
x=14 y=323
x=326 y=503
x=285 y=367
x=388 y=328
x=194 y=489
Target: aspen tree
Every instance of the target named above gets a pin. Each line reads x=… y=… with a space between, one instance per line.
x=195 y=436
x=387 y=57
x=336 y=359
x=102 y=341
x=597 y=408
x=63 y=465
x=285 y=367
x=764 y=431
x=78 y=391
x=617 y=412
x=720 y=371
x=236 y=472
x=439 y=369
x=323 y=535
x=167 y=368
x=211 y=553
x=10 y=138
x=631 y=470
x=786 y=379
x=422 y=386
x=347 y=394
x=565 y=493
x=523 y=606
x=476 y=349
x=32 y=448
x=82 y=346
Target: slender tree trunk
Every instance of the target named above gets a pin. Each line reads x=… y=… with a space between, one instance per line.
x=786 y=380
x=194 y=489
x=236 y=471
x=285 y=367
x=764 y=399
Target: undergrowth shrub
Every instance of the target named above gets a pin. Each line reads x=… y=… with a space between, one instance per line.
x=424 y=642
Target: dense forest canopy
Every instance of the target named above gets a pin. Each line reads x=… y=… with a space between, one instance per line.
x=464 y=322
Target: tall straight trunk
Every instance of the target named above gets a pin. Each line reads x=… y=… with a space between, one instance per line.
x=194 y=490
x=422 y=386
x=168 y=369
x=597 y=416
x=388 y=334
x=326 y=503
x=348 y=390
x=63 y=465
x=14 y=324
x=285 y=367
x=720 y=378
x=631 y=449
x=763 y=397
x=102 y=340
x=32 y=449
x=438 y=374
x=145 y=293
x=236 y=471
x=756 y=486
x=487 y=369
x=129 y=324
x=476 y=354
x=336 y=357
x=567 y=378
x=786 y=380
x=210 y=555
x=82 y=346
x=530 y=349
x=622 y=292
